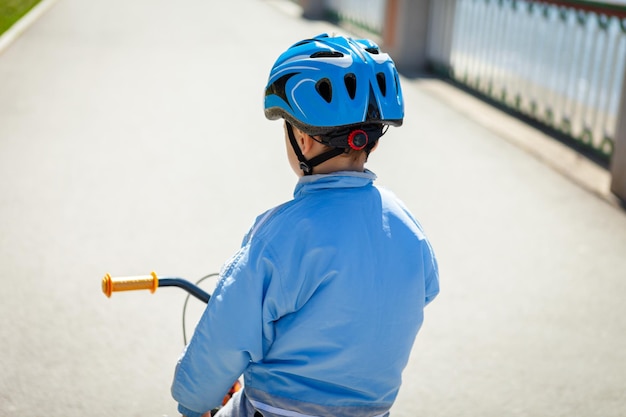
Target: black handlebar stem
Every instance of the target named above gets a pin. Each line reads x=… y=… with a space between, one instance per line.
x=187 y=286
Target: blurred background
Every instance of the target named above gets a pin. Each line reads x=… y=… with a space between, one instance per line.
x=132 y=139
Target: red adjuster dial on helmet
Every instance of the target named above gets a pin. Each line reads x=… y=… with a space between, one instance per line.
x=358 y=139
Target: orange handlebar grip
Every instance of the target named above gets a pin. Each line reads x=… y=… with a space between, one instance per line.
x=109 y=286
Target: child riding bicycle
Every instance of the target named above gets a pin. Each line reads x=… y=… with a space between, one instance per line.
x=321 y=305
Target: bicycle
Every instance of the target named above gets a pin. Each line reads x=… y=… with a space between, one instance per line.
x=152 y=282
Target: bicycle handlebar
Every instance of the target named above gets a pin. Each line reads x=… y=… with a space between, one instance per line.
x=109 y=286
x=150 y=282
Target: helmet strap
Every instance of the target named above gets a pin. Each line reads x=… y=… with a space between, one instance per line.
x=307 y=165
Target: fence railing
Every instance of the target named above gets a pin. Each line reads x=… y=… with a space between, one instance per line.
x=559 y=64
x=367 y=14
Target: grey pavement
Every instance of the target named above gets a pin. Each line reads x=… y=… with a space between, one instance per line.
x=132 y=139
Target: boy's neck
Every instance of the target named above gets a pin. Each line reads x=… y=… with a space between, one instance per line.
x=340 y=163
x=353 y=161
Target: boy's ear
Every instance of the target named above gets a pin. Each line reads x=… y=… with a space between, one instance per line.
x=300 y=138
x=306 y=143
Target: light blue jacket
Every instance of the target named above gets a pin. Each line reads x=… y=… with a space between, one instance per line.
x=319 y=308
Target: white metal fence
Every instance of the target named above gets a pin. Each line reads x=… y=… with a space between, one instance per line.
x=368 y=14
x=560 y=65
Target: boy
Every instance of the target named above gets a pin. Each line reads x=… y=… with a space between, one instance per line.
x=320 y=306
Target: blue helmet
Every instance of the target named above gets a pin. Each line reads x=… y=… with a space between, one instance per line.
x=325 y=84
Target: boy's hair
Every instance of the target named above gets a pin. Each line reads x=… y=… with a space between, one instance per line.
x=343 y=90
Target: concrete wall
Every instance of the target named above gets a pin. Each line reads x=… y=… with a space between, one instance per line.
x=406 y=32
x=313 y=9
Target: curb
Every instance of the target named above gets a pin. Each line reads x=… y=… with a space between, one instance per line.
x=562 y=159
x=7 y=38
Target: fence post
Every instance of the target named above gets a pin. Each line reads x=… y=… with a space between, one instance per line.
x=405 y=33
x=618 y=161
x=440 y=36
x=313 y=9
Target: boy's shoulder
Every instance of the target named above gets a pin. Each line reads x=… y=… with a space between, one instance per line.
x=265 y=219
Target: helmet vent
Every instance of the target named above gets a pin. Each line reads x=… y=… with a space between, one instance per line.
x=278 y=87
x=373 y=111
x=382 y=83
x=350 y=81
x=327 y=54
x=325 y=89
x=372 y=50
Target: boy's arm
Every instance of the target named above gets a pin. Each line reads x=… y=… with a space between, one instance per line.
x=226 y=339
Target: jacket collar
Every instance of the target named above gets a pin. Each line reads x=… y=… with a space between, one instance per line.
x=340 y=179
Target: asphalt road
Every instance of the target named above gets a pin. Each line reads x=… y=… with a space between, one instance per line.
x=132 y=139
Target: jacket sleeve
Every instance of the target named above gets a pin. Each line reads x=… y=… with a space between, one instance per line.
x=432 y=275
x=226 y=339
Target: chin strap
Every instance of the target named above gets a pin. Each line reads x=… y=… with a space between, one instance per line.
x=307 y=165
